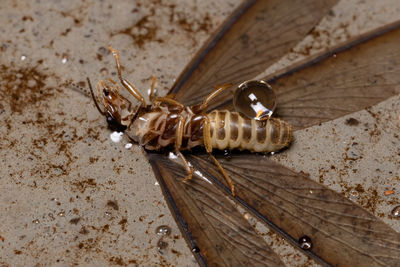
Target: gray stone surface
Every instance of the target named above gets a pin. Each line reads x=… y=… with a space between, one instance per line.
x=69 y=195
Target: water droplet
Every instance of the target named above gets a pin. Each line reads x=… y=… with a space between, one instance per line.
x=116 y=137
x=36 y=221
x=354 y=193
x=305 y=242
x=23 y=57
x=128 y=145
x=163 y=230
x=255 y=100
x=61 y=213
x=396 y=212
x=227 y=154
x=64 y=58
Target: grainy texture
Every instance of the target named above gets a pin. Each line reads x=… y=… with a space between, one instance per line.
x=71 y=196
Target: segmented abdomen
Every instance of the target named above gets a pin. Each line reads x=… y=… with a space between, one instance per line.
x=229 y=130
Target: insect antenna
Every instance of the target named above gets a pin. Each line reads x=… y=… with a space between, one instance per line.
x=94 y=99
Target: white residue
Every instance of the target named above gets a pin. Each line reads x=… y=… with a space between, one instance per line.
x=128 y=145
x=172 y=155
x=116 y=137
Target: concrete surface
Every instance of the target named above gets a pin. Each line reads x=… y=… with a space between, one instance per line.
x=71 y=196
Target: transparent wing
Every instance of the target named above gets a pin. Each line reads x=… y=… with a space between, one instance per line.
x=360 y=74
x=351 y=77
x=217 y=233
x=342 y=232
x=256 y=35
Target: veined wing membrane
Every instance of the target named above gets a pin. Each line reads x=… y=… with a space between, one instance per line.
x=347 y=82
x=254 y=37
x=209 y=220
x=352 y=77
x=342 y=232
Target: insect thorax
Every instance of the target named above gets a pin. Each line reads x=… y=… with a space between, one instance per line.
x=157 y=128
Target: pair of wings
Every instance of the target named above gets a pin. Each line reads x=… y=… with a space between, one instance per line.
x=364 y=72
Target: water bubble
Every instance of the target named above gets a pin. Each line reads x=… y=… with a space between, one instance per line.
x=64 y=58
x=163 y=230
x=305 y=242
x=354 y=193
x=396 y=212
x=255 y=100
x=227 y=153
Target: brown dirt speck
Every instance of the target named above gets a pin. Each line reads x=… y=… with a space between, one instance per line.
x=352 y=122
x=113 y=204
x=75 y=220
x=123 y=223
x=84 y=231
x=23 y=87
x=117 y=261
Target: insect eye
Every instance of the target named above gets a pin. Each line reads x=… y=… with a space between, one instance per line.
x=113 y=124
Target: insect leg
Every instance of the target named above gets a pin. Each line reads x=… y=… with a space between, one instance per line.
x=218 y=89
x=208 y=146
x=168 y=100
x=178 y=144
x=131 y=89
x=95 y=99
x=153 y=85
x=188 y=168
x=179 y=133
